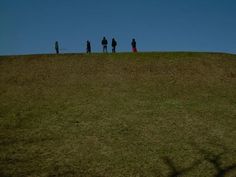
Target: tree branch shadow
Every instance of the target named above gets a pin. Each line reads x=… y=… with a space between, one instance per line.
x=174 y=171
x=215 y=159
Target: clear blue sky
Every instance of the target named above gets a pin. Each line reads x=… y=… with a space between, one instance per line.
x=32 y=26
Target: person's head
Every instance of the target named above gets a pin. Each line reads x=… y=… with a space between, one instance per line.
x=133 y=39
x=88 y=41
x=104 y=37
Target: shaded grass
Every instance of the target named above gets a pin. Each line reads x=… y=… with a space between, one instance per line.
x=145 y=114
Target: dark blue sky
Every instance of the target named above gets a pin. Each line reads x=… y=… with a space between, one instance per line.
x=32 y=26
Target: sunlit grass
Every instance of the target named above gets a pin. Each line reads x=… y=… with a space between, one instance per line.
x=118 y=115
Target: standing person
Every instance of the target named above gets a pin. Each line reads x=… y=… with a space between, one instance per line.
x=57 y=47
x=113 y=44
x=104 y=44
x=88 y=47
x=133 y=44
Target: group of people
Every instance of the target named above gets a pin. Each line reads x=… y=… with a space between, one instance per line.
x=104 y=44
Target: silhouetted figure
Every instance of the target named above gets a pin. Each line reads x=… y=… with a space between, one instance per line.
x=88 y=47
x=133 y=44
x=113 y=44
x=57 y=47
x=104 y=44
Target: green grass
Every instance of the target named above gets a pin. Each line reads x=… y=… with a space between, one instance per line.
x=118 y=115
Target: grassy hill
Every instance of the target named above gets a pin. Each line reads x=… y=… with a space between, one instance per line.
x=118 y=115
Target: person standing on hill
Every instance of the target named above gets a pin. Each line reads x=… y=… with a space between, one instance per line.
x=104 y=44
x=88 y=47
x=133 y=44
x=113 y=44
x=57 y=47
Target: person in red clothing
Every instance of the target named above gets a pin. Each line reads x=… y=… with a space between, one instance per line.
x=133 y=44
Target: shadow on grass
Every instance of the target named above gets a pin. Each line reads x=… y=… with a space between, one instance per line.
x=174 y=171
x=215 y=159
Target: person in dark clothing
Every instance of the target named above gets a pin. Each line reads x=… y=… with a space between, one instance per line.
x=57 y=47
x=133 y=44
x=88 y=47
x=104 y=44
x=113 y=44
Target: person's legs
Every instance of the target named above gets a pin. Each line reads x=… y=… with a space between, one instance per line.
x=134 y=49
x=88 y=50
x=104 y=49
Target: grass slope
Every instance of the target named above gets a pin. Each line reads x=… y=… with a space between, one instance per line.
x=145 y=114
